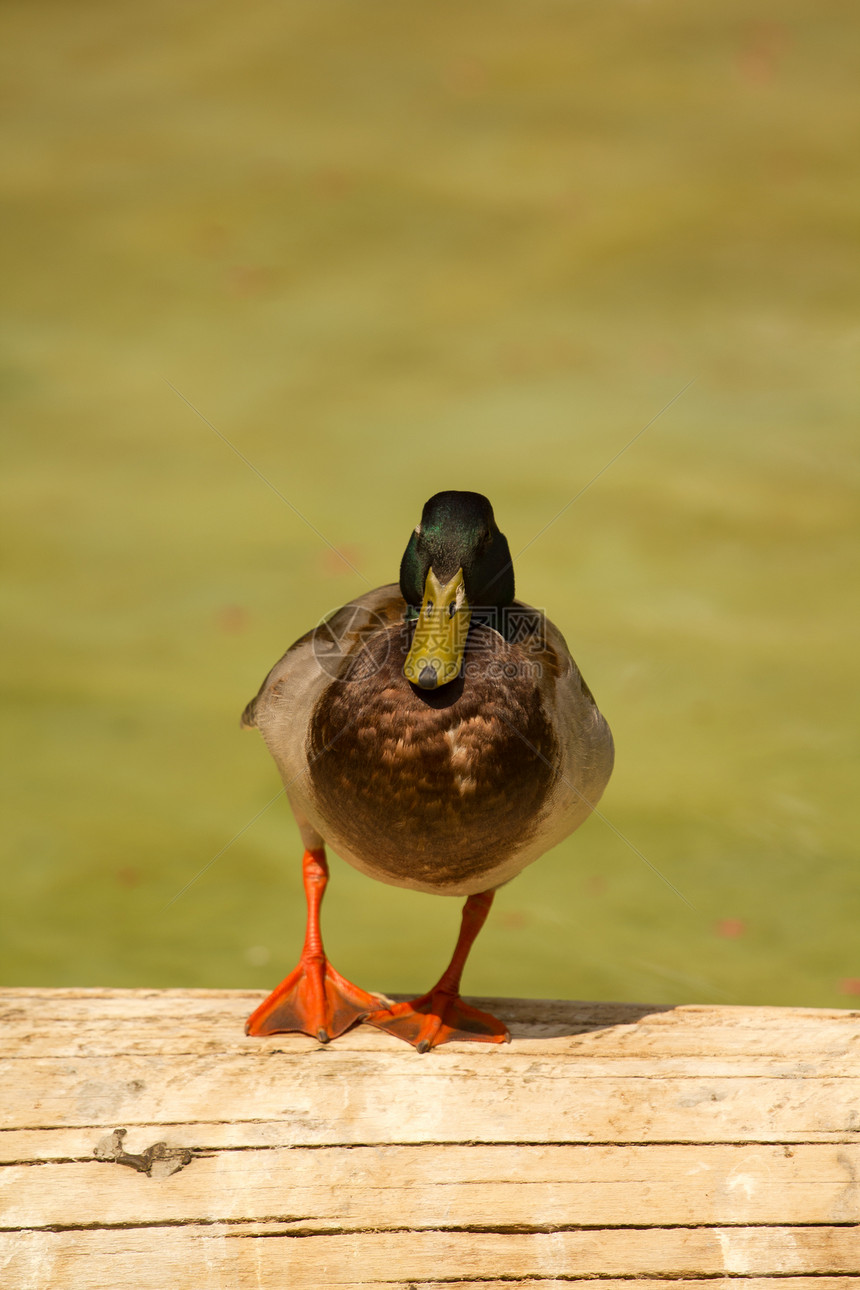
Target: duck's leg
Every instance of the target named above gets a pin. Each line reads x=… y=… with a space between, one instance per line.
x=314 y=998
x=442 y=1015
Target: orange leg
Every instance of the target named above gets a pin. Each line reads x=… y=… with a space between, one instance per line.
x=440 y=1016
x=314 y=998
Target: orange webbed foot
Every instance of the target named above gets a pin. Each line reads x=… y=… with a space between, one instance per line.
x=439 y=1017
x=314 y=1000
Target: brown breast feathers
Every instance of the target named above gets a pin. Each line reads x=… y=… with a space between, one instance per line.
x=436 y=786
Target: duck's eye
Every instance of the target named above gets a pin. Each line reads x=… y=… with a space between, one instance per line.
x=428 y=608
x=452 y=609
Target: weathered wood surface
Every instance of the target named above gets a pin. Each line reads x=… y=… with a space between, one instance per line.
x=692 y=1145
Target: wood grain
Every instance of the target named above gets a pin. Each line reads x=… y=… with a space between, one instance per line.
x=691 y=1146
x=224 y=1258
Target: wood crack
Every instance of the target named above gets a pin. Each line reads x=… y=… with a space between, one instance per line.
x=474 y=1229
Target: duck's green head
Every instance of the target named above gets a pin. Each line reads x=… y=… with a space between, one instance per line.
x=456 y=562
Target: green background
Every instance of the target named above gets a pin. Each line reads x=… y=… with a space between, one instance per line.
x=384 y=249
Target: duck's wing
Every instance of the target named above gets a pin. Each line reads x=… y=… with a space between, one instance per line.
x=589 y=750
x=248 y=720
x=586 y=747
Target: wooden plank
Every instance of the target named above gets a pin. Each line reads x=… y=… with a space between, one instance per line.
x=233 y=1258
x=18 y=1146
x=69 y=1023
x=696 y=1145
x=332 y=1097
x=443 y=1187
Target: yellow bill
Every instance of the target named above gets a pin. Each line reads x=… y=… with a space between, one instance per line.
x=439 y=642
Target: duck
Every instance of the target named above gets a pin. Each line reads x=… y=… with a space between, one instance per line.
x=437 y=735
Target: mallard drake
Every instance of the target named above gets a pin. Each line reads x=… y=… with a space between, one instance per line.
x=437 y=734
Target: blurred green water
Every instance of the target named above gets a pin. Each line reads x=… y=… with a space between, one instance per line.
x=386 y=251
